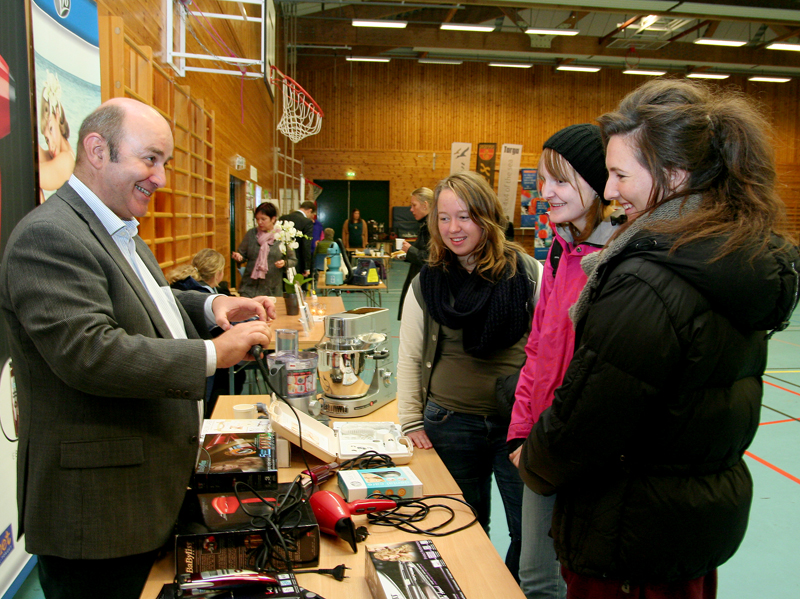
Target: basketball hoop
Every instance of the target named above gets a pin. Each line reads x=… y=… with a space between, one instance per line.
x=301 y=114
x=314 y=189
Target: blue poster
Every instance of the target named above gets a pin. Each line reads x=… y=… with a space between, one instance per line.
x=533 y=214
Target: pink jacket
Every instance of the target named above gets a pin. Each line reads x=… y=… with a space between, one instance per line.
x=551 y=342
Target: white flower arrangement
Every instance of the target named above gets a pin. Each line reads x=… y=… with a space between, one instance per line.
x=287 y=235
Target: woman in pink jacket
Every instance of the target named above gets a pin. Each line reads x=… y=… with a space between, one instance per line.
x=572 y=177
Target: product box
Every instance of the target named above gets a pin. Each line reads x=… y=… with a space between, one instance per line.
x=286 y=588
x=360 y=484
x=236 y=450
x=410 y=570
x=215 y=533
x=347 y=440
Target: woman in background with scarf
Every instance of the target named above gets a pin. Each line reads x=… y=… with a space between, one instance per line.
x=465 y=323
x=265 y=262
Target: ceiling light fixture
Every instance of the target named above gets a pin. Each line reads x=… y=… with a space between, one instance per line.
x=536 y=31
x=793 y=47
x=439 y=61
x=366 y=59
x=707 y=76
x=465 y=27
x=770 y=79
x=577 y=69
x=643 y=72
x=707 y=41
x=379 y=23
x=647 y=21
x=511 y=65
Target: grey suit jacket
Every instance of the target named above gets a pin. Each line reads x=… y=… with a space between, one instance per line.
x=108 y=400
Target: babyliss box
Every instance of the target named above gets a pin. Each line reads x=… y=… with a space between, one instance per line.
x=399 y=481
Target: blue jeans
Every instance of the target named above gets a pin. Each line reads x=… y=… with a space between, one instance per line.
x=539 y=570
x=473 y=448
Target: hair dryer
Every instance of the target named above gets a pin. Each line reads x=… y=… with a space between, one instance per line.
x=333 y=513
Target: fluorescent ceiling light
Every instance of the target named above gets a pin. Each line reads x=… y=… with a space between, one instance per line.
x=707 y=76
x=794 y=47
x=707 y=41
x=642 y=72
x=439 y=61
x=379 y=23
x=646 y=22
x=567 y=67
x=511 y=65
x=367 y=59
x=770 y=79
x=535 y=31
x=465 y=27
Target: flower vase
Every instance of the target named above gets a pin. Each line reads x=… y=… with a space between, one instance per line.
x=292 y=305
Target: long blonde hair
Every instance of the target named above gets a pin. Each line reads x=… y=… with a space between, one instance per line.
x=494 y=253
x=205 y=265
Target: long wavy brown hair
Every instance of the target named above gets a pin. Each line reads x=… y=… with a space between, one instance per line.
x=494 y=254
x=721 y=139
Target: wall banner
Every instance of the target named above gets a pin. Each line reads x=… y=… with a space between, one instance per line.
x=510 y=158
x=533 y=211
x=460 y=155
x=484 y=163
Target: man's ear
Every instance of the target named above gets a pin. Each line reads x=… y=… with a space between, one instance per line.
x=96 y=149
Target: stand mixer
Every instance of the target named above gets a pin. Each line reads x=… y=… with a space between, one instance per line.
x=354 y=363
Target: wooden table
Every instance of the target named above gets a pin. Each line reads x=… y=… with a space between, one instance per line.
x=469 y=554
x=372 y=292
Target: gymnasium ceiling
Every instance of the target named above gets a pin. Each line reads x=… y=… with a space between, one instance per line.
x=619 y=34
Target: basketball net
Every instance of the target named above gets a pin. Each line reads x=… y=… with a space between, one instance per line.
x=301 y=114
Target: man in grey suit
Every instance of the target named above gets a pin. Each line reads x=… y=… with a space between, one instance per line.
x=110 y=368
x=303 y=223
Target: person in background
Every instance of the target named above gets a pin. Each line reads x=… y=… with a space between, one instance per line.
x=203 y=273
x=354 y=231
x=322 y=249
x=417 y=253
x=571 y=178
x=266 y=263
x=465 y=323
x=318 y=231
x=643 y=443
x=109 y=363
x=303 y=223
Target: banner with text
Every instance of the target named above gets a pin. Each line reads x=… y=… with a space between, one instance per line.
x=533 y=210
x=510 y=158
x=484 y=164
x=460 y=155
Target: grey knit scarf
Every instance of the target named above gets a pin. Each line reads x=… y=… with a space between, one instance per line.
x=667 y=211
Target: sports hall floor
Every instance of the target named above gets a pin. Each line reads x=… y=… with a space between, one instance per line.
x=767 y=565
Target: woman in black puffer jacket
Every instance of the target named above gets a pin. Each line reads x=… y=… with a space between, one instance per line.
x=644 y=442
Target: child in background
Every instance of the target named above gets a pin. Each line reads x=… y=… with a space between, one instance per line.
x=572 y=177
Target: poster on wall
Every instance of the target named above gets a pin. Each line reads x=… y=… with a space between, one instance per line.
x=533 y=213
x=484 y=163
x=67 y=72
x=510 y=158
x=460 y=157
x=18 y=190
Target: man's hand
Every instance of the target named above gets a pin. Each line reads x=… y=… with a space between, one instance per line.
x=234 y=344
x=514 y=456
x=229 y=309
x=420 y=439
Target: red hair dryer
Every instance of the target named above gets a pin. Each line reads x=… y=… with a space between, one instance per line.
x=333 y=513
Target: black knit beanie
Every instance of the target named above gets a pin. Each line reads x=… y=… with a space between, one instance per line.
x=582 y=146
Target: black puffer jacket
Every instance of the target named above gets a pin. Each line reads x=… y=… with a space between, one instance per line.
x=644 y=441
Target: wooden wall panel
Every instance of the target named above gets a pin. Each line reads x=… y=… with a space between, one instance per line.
x=387 y=121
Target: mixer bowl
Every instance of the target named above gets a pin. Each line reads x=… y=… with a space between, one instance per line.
x=343 y=368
